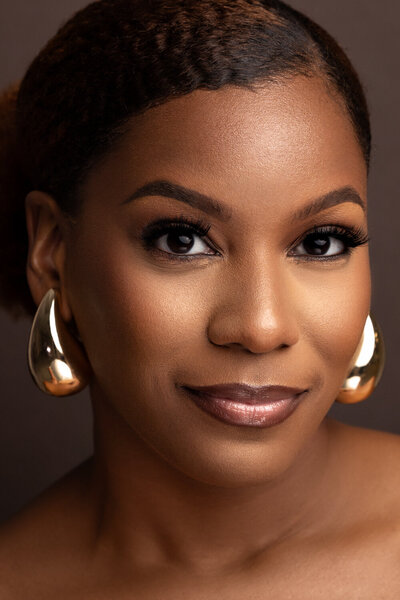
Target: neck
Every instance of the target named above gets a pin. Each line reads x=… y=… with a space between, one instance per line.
x=152 y=513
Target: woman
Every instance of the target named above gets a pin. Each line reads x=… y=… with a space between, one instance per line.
x=195 y=182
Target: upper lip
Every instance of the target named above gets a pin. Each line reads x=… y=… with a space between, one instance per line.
x=247 y=393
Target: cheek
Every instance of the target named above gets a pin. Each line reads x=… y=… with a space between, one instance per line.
x=137 y=321
x=337 y=305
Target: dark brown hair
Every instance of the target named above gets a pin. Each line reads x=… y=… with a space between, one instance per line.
x=118 y=58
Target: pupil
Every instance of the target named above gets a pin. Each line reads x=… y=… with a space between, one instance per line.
x=317 y=245
x=182 y=240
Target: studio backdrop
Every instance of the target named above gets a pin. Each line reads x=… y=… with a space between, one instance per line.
x=42 y=437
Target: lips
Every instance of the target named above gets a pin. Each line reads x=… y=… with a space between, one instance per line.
x=247 y=394
x=246 y=405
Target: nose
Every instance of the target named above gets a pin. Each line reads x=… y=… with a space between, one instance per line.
x=255 y=309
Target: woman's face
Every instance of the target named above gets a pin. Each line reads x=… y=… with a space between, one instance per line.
x=255 y=303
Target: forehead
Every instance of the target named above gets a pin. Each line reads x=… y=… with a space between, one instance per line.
x=291 y=138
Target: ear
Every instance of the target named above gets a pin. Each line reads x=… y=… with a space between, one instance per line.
x=46 y=264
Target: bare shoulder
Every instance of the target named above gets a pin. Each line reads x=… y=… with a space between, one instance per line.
x=370 y=461
x=381 y=448
x=364 y=489
x=43 y=532
x=372 y=457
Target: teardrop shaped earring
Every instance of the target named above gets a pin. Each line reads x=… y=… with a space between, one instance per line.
x=50 y=343
x=368 y=363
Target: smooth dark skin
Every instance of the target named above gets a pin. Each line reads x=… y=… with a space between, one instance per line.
x=177 y=504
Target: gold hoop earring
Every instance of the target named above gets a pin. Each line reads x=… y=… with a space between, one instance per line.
x=368 y=363
x=49 y=343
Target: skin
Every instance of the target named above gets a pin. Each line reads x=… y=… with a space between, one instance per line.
x=176 y=503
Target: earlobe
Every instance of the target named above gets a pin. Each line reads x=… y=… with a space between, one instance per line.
x=45 y=269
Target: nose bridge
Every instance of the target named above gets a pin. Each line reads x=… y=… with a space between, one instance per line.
x=255 y=307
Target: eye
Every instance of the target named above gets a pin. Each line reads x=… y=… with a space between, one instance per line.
x=181 y=241
x=330 y=242
x=182 y=238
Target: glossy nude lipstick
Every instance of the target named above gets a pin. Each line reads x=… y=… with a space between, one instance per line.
x=240 y=404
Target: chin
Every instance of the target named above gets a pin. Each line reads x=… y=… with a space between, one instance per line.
x=230 y=464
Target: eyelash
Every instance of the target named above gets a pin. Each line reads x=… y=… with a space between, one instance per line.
x=351 y=237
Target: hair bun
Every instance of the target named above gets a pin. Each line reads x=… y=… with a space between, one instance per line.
x=15 y=296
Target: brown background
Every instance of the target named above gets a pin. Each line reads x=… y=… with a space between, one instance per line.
x=43 y=437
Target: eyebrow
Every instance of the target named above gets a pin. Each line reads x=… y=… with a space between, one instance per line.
x=344 y=194
x=213 y=207
x=182 y=194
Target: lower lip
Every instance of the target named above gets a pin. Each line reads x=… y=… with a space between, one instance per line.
x=251 y=415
